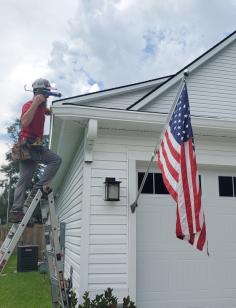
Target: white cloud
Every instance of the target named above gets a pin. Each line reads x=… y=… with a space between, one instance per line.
x=87 y=45
x=113 y=43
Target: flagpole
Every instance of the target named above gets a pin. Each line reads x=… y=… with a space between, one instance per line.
x=183 y=80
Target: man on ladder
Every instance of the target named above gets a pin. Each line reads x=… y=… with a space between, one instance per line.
x=30 y=150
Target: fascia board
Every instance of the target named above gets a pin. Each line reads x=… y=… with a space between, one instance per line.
x=71 y=112
x=179 y=75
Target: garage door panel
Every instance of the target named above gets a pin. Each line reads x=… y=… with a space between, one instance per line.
x=185 y=275
x=220 y=231
x=220 y=205
x=159 y=276
x=170 y=272
x=155 y=226
x=224 y=276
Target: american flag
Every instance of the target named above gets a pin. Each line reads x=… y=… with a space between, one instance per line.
x=177 y=161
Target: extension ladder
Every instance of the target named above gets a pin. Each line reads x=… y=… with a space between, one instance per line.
x=55 y=259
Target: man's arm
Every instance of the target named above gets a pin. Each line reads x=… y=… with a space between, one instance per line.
x=28 y=116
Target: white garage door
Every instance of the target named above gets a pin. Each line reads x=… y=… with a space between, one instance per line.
x=170 y=272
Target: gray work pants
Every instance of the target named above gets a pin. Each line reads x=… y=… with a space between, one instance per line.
x=27 y=168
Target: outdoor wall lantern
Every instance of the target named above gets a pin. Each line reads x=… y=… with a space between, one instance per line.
x=112 y=189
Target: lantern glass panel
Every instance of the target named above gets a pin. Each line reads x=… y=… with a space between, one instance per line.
x=113 y=191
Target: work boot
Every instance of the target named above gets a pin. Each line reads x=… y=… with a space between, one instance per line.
x=16 y=215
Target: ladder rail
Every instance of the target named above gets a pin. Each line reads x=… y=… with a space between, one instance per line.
x=53 y=247
x=7 y=240
x=50 y=254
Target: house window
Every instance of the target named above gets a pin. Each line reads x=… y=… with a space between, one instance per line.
x=153 y=185
x=227 y=186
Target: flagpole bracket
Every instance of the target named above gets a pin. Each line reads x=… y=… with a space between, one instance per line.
x=133 y=206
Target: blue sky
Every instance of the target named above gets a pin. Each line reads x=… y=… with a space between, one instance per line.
x=87 y=45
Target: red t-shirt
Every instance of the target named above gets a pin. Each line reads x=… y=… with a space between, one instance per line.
x=35 y=128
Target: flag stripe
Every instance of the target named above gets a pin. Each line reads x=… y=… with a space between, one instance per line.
x=171 y=147
x=186 y=194
x=196 y=190
x=187 y=146
x=171 y=169
x=167 y=183
x=168 y=175
x=179 y=232
x=202 y=236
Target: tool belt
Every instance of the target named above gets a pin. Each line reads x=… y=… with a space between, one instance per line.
x=21 y=149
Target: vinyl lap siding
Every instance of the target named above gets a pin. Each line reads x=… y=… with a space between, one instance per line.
x=70 y=211
x=108 y=238
x=211 y=88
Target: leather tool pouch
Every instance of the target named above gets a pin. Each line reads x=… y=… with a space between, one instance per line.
x=20 y=151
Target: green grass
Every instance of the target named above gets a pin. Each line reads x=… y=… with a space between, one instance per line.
x=24 y=290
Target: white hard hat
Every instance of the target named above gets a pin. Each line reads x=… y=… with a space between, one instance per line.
x=41 y=83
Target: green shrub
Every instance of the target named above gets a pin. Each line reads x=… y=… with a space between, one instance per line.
x=106 y=300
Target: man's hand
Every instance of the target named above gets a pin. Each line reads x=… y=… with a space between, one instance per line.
x=39 y=99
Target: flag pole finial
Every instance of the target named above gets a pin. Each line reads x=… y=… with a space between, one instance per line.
x=186 y=72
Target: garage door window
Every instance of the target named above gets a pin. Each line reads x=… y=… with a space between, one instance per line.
x=227 y=186
x=154 y=184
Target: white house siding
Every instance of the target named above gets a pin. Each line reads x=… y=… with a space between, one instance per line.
x=108 y=232
x=120 y=101
x=109 y=235
x=211 y=88
x=69 y=205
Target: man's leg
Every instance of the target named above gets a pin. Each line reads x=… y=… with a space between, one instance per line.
x=52 y=162
x=27 y=168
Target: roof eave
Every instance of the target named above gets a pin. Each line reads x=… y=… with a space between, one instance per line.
x=79 y=114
